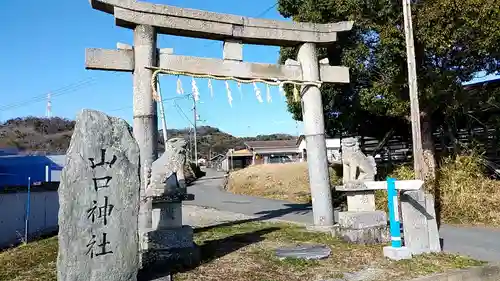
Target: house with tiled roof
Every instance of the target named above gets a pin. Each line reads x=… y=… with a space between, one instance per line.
x=261 y=152
x=273 y=151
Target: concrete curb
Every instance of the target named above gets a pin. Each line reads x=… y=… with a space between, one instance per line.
x=490 y=272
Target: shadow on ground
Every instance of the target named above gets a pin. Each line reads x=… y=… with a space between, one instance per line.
x=217 y=248
x=263 y=215
x=209 y=251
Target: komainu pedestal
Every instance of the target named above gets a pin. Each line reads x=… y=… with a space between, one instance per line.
x=361 y=224
x=169 y=243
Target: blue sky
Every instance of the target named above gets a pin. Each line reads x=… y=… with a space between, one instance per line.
x=43 y=50
x=43 y=47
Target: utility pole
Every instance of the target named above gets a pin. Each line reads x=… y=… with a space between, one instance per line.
x=194 y=125
x=190 y=146
x=162 y=112
x=209 y=160
x=413 y=88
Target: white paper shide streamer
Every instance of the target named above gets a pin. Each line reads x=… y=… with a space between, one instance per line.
x=296 y=94
x=210 y=88
x=282 y=90
x=257 y=92
x=268 y=94
x=194 y=89
x=240 y=90
x=180 y=91
x=229 y=97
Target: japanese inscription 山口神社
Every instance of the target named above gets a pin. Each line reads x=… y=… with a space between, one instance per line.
x=99 y=199
x=100 y=212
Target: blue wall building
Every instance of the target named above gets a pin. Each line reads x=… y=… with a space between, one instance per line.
x=15 y=169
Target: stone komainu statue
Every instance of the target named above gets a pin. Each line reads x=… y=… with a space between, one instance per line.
x=171 y=163
x=353 y=160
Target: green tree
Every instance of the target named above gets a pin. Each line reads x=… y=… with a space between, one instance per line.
x=453 y=41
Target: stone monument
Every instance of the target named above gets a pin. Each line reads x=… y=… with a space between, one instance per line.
x=169 y=242
x=421 y=234
x=99 y=202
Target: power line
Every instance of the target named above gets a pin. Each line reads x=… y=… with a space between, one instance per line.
x=267 y=10
x=68 y=89
x=259 y=15
x=78 y=85
x=165 y=99
x=179 y=109
x=42 y=97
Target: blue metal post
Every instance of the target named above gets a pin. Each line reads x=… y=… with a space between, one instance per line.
x=47 y=173
x=28 y=203
x=393 y=213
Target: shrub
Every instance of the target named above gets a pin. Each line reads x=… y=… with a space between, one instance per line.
x=463 y=194
x=403 y=172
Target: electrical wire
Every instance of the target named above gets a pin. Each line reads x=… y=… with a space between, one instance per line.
x=165 y=99
x=84 y=83
x=257 y=16
x=179 y=109
x=65 y=90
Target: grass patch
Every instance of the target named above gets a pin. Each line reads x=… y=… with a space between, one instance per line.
x=246 y=252
x=252 y=257
x=35 y=261
x=288 y=181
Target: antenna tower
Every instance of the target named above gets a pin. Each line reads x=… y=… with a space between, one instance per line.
x=49 y=107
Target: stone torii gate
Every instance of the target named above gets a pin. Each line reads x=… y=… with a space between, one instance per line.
x=147 y=20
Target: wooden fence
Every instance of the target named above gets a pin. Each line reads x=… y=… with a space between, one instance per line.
x=399 y=150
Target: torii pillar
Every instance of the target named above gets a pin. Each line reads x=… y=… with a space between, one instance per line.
x=314 y=132
x=145 y=123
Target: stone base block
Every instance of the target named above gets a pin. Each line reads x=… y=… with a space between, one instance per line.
x=327 y=229
x=359 y=220
x=366 y=236
x=160 y=264
x=397 y=254
x=172 y=198
x=170 y=238
x=173 y=258
x=361 y=201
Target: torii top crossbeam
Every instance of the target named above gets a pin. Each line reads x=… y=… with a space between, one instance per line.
x=211 y=25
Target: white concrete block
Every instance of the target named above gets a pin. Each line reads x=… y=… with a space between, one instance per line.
x=397 y=254
x=361 y=201
x=359 y=220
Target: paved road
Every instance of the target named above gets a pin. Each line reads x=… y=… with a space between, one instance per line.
x=479 y=243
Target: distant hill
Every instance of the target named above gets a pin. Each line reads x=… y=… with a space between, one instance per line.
x=52 y=135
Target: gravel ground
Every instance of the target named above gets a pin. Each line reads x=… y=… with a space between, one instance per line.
x=197 y=216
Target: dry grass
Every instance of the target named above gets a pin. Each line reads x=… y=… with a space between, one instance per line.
x=467 y=196
x=35 y=261
x=246 y=252
x=288 y=181
x=464 y=194
x=401 y=173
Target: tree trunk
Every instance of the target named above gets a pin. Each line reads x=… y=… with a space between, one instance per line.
x=429 y=167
